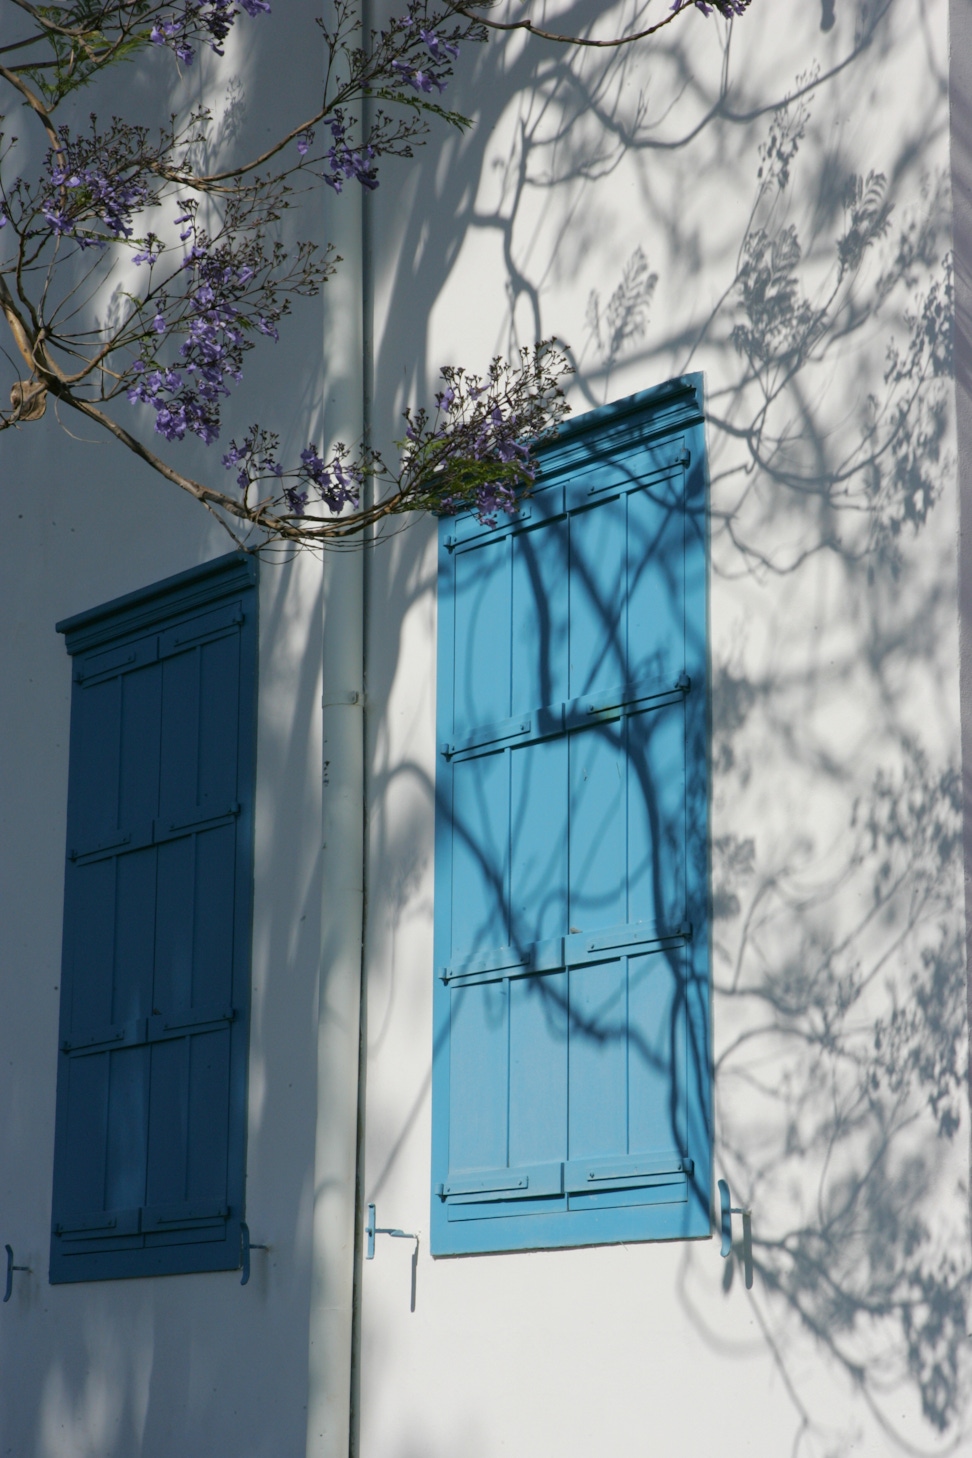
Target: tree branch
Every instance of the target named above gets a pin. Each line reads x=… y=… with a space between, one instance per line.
x=570 y=40
x=35 y=103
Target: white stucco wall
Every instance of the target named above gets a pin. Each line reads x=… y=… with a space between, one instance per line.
x=838 y=1008
x=839 y=994
x=190 y=1364
x=174 y=1365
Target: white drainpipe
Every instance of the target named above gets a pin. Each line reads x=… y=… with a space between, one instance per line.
x=342 y=881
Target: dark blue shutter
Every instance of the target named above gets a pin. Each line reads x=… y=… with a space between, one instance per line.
x=571 y=1083
x=150 y=1137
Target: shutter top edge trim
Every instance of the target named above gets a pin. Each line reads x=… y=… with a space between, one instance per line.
x=147 y=605
x=688 y=389
x=642 y=419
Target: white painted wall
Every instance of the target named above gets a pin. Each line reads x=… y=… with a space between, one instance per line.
x=189 y=1365
x=837 y=874
x=836 y=744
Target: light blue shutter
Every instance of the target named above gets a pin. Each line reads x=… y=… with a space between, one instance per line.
x=149 y=1157
x=571 y=1085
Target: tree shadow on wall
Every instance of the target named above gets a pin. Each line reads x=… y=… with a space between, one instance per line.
x=849 y=957
x=839 y=982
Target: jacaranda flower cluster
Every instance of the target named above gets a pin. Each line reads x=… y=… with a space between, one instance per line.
x=208 y=20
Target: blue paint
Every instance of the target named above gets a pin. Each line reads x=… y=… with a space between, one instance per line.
x=571 y=1077
x=150 y=1137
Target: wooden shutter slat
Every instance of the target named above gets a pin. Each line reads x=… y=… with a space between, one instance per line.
x=539 y=1056
x=480 y=1043
x=209 y=1112
x=127 y=1133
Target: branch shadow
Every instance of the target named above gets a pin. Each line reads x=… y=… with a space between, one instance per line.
x=823 y=319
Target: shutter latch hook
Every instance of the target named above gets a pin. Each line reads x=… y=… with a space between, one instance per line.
x=728 y=1209
x=8 y=1285
x=246 y=1245
x=371 y=1230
